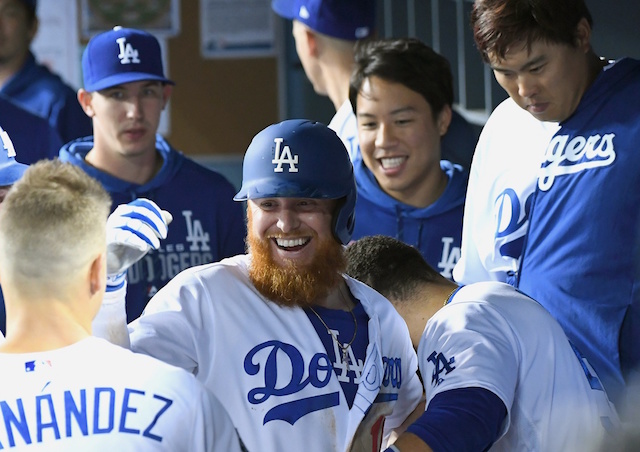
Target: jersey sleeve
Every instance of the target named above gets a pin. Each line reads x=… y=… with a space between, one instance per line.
x=172 y=327
x=469 y=345
x=110 y=322
x=470 y=267
x=410 y=393
x=212 y=429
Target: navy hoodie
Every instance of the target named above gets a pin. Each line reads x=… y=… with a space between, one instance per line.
x=435 y=230
x=207 y=224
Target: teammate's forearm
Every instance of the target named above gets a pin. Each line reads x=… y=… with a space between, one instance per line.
x=110 y=322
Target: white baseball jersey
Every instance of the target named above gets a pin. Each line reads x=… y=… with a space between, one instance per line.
x=492 y=336
x=270 y=369
x=95 y=396
x=501 y=181
x=345 y=125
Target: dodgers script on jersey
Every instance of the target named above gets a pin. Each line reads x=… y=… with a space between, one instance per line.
x=493 y=337
x=95 y=396
x=584 y=232
x=270 y=369
x=501 y=182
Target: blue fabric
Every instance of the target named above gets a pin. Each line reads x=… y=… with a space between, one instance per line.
x=435 y=230
x=207 y=224
x=350 y=20
x=581 y=258
x=32 y=136
x=121 y=55
x=342 y=321
x=466 y=419
x=459 y=143
x=43 y=93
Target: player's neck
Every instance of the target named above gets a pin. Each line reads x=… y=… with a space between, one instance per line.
x=431 y=297
x=337 y=84
x=55 y=323
x=8 y=68
x=426 y=192
x=338 y=298
x=137 y=169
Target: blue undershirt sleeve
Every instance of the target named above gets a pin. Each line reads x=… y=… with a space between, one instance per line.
x=465 y=419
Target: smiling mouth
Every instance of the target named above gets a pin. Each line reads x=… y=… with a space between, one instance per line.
x=291 y=244
x=392 y=162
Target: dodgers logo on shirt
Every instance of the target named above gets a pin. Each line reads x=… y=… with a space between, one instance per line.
x=283 y=156
x=441 y=364
x=566 y=156
x=283 y=372
x=320 y=371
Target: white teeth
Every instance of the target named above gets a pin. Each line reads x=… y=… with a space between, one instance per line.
x=392 y=162
x=288 y=243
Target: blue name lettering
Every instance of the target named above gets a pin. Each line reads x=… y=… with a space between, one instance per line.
x=67 y=414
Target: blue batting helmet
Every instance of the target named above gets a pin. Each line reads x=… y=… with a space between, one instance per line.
x=298 y=158
x=10 y=169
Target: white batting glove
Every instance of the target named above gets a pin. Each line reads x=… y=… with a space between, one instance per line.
x=132 y=231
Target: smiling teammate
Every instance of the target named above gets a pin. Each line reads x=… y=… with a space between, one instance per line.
x=402 y=91
x=302 y=356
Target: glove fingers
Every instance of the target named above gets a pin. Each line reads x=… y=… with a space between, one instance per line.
x=137 y=235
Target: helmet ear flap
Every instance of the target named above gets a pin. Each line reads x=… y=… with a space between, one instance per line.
x=344 y=218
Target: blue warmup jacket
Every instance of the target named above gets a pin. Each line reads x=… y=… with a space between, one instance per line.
x=207 y=224
x=581 y=257
x=36 y=89
x=32 y=136
x=435 y=230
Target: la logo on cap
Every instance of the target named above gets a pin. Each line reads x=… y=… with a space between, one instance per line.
x=127 y=53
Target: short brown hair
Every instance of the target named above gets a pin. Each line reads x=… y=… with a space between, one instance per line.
x=499 y=24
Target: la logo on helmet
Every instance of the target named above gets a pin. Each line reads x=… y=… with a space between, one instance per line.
x=284 y=157
x=7 y=144
x=127 y=53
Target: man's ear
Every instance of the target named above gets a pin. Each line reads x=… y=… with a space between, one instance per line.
x=166 y=93
x=313 y=43
x=583 y=35
x=85 y=98
x=98 y=274
x=444 y=120
x=33 y=30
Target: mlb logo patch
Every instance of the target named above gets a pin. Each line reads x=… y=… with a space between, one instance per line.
x=32 y=366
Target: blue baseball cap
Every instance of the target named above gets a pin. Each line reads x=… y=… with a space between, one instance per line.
x=10 y=170
x=121 y=55
x=345 y=19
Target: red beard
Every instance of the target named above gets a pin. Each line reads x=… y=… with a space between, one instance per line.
x=292 y=284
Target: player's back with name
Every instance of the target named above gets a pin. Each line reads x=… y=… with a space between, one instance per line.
x=96 y=396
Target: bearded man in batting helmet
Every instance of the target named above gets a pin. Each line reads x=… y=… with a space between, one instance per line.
x=301 y=355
